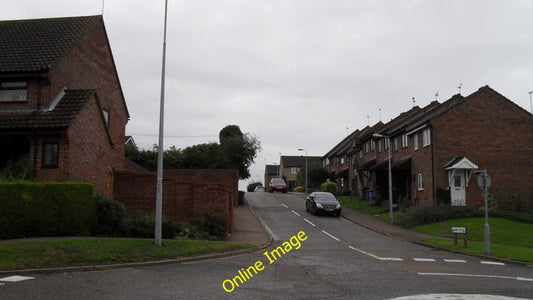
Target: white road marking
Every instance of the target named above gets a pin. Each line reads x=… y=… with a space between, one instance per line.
x=310 y=222
x=374 y=256
x=16 y=278
x=424 y=259
x=331 y=236
x=494 y=263
x=295 y=213
x=455 y=260
x=456 y=297
x=477 y=275
x=283 y=204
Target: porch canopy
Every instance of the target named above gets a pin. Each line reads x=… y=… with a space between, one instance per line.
x=460 y=163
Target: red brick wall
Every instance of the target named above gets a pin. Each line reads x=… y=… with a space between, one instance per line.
x=493 y=133
x=184 y=191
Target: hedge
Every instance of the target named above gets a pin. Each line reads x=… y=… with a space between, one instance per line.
x=30 y=209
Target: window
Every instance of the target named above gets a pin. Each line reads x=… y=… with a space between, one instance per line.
x=372 y=145
x=415 y=141
x=342 y=160
x=13 y=91
x=105 y=112
x=420 y=181
x=387 y=142
x=395 y=144
x=379 y=146
x=405 y=141
x=361 y=154
x=366 y=147
x=50 y=155
x=426 y=137
x=295 y=170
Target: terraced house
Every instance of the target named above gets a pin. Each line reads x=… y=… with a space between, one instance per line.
x=62 y=109
x=437 y=149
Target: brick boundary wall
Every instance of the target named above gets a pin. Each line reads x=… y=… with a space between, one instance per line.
x=184 y=191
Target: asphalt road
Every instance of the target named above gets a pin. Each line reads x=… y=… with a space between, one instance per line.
x=320 y=257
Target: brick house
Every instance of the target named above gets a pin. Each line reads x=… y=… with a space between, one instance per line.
x=62 y=109
x=437 y=149
x=271 y=171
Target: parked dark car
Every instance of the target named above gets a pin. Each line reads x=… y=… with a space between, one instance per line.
x=322 y=202
x=277 y=184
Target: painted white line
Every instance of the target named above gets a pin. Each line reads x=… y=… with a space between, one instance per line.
x=374 y=256
x=477 y=275
x=16 y=278
x=424 y=259
x=295 y=213
x=455 y=260
x=283 y=204
x=1 y=283
x=331 y=236
x=494 y=263
x=310 y=222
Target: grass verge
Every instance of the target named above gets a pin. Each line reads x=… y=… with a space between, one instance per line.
x=497 y=250
x=508 y=239
x=99 y=251
x=358 y=204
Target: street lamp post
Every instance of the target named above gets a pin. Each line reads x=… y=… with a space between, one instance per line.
x=305 y=188
x=377 y=135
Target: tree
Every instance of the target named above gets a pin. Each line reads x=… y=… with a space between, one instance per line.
x=316 y=175
x=235 y=151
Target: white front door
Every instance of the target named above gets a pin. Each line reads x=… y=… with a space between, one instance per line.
x=457 y=190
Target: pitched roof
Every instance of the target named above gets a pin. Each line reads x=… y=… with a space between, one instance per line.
x=299 y=161
x=38 y=44
x=59 y=117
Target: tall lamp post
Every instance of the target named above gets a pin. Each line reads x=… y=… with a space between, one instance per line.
x=379 y=136
x=305 y=189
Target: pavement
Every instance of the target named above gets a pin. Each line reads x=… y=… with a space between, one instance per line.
x=247 y=227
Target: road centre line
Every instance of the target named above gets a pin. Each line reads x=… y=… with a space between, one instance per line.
x=309 y=222
x=294 y=212
x=16 y=278
x=424 y=259
x=331 y=236
x=477 y=275
x=283 y=204
x=494 y=263
x=455 y=260
x=374 y=256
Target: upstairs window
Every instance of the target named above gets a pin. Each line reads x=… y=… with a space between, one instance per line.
x=13 y=91
x=295 y=170
x=395 y=143
x=426 y=137
x=415 y=141
x=405 y=141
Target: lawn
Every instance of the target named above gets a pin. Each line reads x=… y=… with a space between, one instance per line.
x=97 y=251
x=356 y=203
x=508 y=239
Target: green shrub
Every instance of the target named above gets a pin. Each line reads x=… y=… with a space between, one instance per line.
x=251 y=187
x=213 y=221
x=299 y=189
x=16 y=171
x=46 y=209
x=329 y=186
x=110 y=216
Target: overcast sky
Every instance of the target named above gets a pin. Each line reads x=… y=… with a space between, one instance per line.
x=301 y=73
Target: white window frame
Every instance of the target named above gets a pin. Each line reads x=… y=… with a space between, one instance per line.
x=415 y=141
x=295 y=170
x=420 y=181
x=426 y=137
x=405 y=141
x=379 y=145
